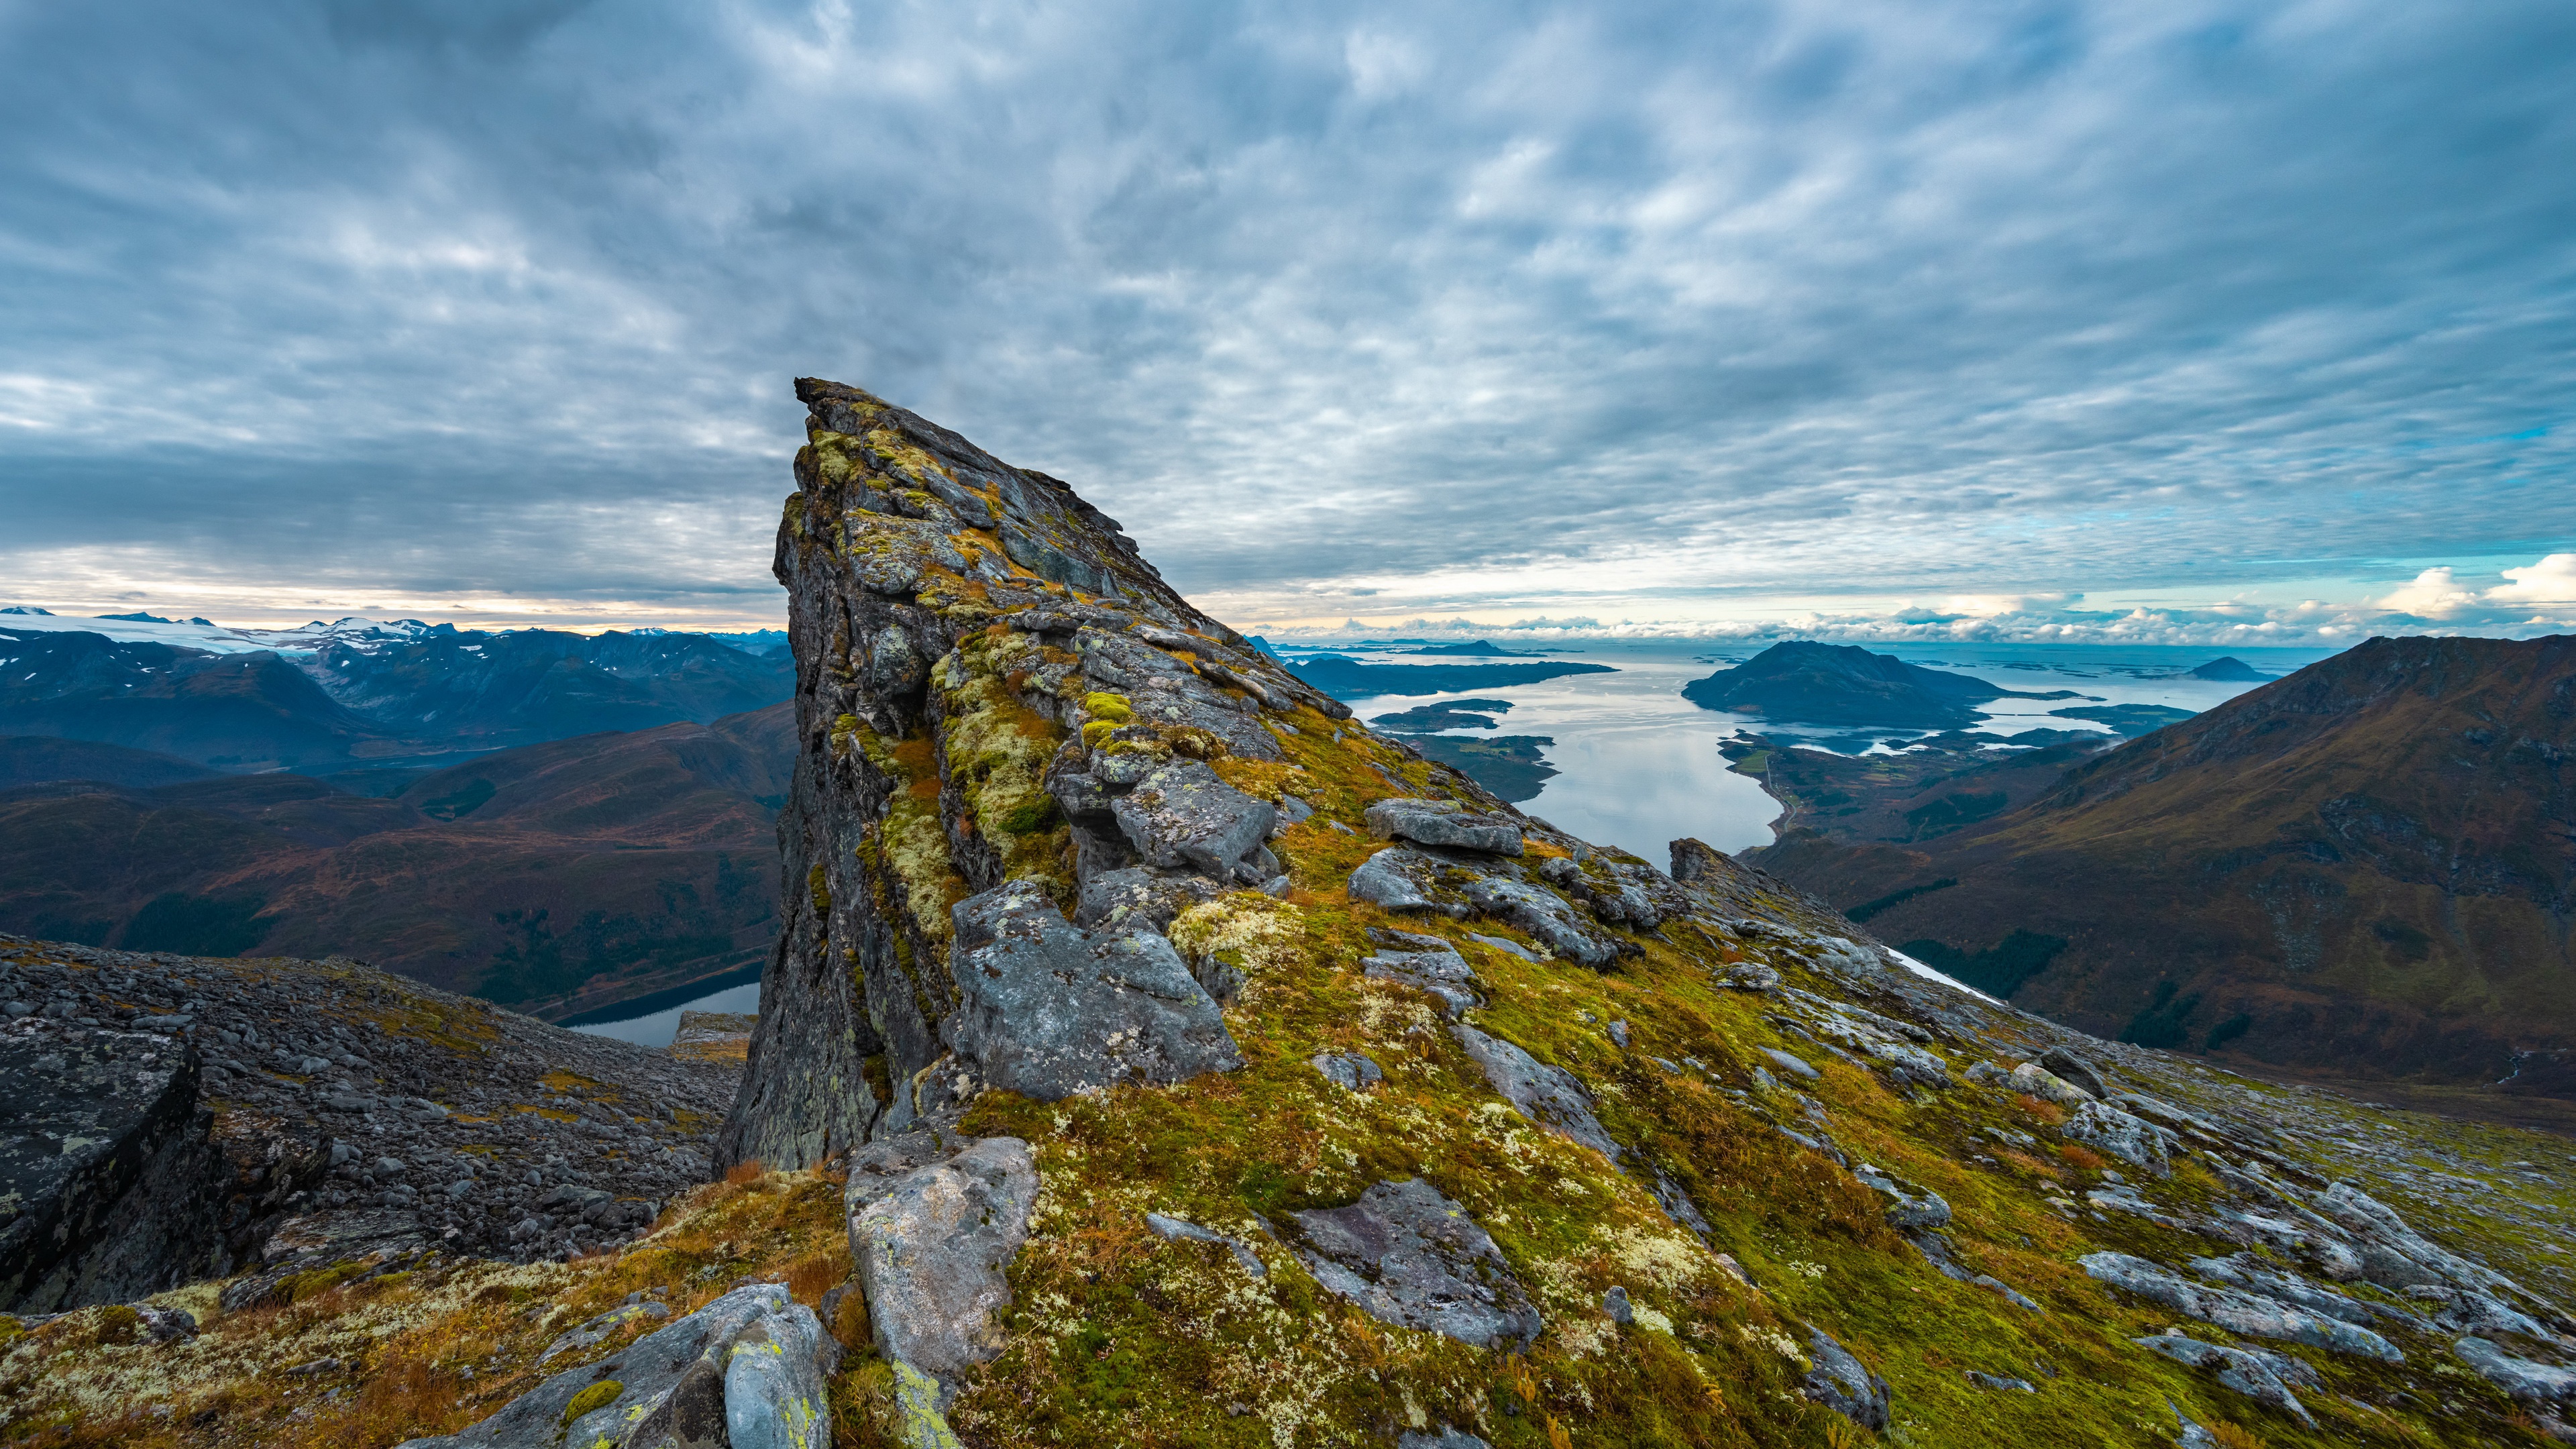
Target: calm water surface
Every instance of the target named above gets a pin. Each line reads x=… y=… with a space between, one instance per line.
x=1639 y=765
x=657 y=1028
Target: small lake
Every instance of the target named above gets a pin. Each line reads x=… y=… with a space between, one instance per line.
x=658 y=1024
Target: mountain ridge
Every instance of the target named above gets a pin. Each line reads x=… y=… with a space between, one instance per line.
x=2381 y=832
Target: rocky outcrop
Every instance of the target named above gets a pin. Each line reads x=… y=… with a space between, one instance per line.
x=194 y=1118
x=110 y=1183
x=994 y=690
x=2241 y=1312
x=746 y=1371
x=1232 y=986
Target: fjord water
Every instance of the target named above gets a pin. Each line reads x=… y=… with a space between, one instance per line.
x=1639 y=765
x=656 y=1028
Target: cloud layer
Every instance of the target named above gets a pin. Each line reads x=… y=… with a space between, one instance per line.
x=481 y=309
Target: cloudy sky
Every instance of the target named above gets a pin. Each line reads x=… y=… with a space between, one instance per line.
x=2201 y=319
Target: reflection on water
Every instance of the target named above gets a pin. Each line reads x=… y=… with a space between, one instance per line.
x=657 y=1028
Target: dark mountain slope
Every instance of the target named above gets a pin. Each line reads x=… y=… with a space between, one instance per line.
x=239 y=712
x=489 y=690
x=2364 y=867
x=560 y=876
x=372 y=699
x=1846 y=684
x=35 y=759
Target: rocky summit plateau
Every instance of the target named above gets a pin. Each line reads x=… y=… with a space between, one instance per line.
x=1153 y=1055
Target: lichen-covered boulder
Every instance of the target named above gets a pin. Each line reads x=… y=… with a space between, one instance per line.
x=1425 y=963
x=1443 y=823
x=2032 y=1079
x=1408 y=1255
x=1047 y=1009
x=1544 y=916
x=661 y=1391
x=1543 y=1094
x=2133 y=1140
x=1401 y=879
x=930 y=1247
x=1182 y=815
x=1349 y=1071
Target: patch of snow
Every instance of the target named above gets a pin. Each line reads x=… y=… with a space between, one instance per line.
x=1919 y=969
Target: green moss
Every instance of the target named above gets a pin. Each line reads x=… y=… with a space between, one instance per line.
x=598 y=1396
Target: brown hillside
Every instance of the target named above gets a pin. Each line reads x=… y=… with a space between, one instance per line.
x=2364 y=867
x=560 y=877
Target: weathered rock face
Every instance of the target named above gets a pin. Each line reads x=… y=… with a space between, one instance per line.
x=109 y=1178
x=994 y=689
x=1046 y=1009
x=174 y=1118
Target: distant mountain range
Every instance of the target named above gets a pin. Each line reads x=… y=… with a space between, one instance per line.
x=361 y=694
x=1346 y=678
x=2366 y=867
x=557 y=877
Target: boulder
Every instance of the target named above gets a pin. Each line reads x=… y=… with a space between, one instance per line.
x=2069 y=1067
x=747 y=1370
x=1425 y=963
x=931 y=1246
x=1794 y=1066
x=1401 y=879
x=2392 y=1254
x=1843 y=1383
x=1443 y=823
x=1183 y=816
x=1544 y=916
x=1137 y=895
x=1349 y=1071
x=1408 y=1255
x=1547 y=1095
x=1047 y=1009
x=2131 y=1139
x=2031 y=1079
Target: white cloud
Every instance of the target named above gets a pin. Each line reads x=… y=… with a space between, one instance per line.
x=1546 y=312
x=2550 y=581
x=2434 y=594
